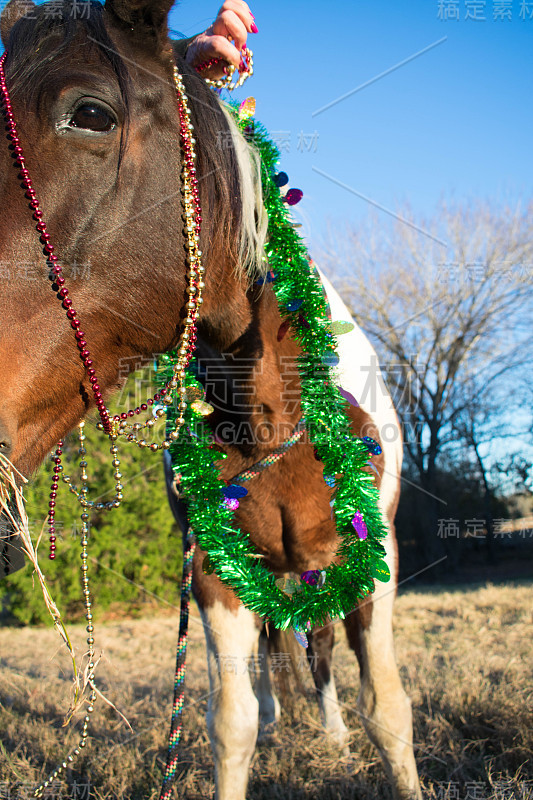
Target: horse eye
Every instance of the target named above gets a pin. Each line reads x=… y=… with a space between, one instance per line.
x=91 y=117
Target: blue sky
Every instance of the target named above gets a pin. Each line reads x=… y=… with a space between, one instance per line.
x=456 y=120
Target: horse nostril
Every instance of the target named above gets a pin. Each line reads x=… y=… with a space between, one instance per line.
x=6 y=440
x=6 y=445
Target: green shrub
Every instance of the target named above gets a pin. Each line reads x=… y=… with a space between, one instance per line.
x=135 y=550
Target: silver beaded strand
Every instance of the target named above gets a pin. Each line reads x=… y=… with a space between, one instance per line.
x=82 y=498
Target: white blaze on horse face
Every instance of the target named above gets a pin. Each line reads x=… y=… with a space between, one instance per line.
x=233 y=709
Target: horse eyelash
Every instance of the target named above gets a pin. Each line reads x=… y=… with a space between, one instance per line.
x=63 y=124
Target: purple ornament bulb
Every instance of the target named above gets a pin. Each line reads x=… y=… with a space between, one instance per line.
x=360 y=525
x=311 y=577
x=293 y=196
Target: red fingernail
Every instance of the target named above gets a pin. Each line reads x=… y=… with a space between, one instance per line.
x=254 y=28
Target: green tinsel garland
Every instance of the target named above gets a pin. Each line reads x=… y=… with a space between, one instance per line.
x=231 y=552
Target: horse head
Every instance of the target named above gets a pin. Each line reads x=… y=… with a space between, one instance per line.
x=95 y=106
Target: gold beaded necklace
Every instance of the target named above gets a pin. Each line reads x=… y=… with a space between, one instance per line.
x=185 y=348
x=119 y=426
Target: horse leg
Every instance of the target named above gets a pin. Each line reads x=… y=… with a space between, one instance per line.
x=231 y=634
x=319 y=656
x=383 y=704
x=269 y=706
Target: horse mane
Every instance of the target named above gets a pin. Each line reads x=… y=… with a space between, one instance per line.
x=230 y=170
x=254 y=221
x=229 y=167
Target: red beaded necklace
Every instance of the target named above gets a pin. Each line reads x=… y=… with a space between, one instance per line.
x=56 y=269
x=176 y=386
x=118 y=426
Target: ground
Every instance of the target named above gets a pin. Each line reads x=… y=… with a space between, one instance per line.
x=465 y=655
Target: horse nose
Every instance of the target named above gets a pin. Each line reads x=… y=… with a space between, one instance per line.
x=6 y=441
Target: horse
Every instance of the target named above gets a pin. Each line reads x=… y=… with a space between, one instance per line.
x=95 y=104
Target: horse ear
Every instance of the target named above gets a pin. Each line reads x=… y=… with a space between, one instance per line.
x=147 y=14
x=15 y=10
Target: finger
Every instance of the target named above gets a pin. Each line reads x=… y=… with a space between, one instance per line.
x=205 y=48
x=242 y=10
x=228 y=23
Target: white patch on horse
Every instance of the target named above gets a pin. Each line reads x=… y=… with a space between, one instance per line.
x=383 y=704
x=331 y=716
x=360 y=374
x=233 y=709
x=269 y=706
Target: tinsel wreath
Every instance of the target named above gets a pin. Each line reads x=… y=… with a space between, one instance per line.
x=230 y=552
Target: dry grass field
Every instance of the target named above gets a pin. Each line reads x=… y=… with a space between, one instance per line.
x=466 y=657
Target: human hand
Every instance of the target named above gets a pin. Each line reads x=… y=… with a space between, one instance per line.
x=223 y=40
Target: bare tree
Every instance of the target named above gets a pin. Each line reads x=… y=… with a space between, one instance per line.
x=448 y=304
x=481 y=419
